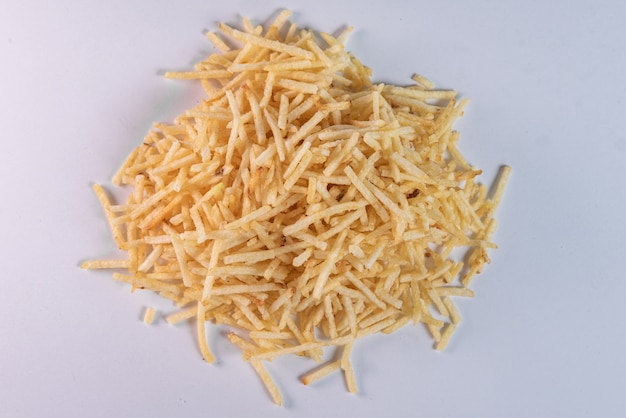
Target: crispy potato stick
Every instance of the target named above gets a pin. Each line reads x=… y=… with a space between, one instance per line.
x=267 y=381
x=180 y=316
x=105 y=264
x=148 y=316
x=445 y=337
x=321 y=372
x=346 y=366
x=200 y=323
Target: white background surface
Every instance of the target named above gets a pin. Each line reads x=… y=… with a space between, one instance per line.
x=544 y=337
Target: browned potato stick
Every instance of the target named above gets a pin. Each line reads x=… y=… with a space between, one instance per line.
x=301 y=203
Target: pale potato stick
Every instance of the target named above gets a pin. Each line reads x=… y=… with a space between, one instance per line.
x=196 y=218
x=504 y=175
x=313 y=46
x=430 y=275
x=373 y=319
x=423 y=81
x=247 y=25
x=454 y=291
x=337 y=106
x=174 y=165
x=288 y=65
x=266 y=157
x=343 y=225
x=314 y=353
x=306 y=128
x=349 y=309
x=341 y=154
x=283 y=203
x=376 y=105
x=236 y=270
x=145 y=283
x=149 y=261
x=428 y=319
x=299 y=110
x=436 y=300
x=416 y=105
x=388 y=298
x=234 y=129
x=445 y=337
x=207 y=287
x=181 y=255
x=421 y=94
x=119 y=208
x=280 y=20
x=105 y=264
x=241 y=343
x=259 y=123
x=182 y=315
x=375 y=254
x=244 y=220
x=458 y=157
x=305 y=222
x=270 y=335
x=256 y=256
x=455 y=316
x=328 y=264
x=344 y=35
x=159 y=214
x=282 y=299
x=366 y=291
x=301 y=348
x=303 y=257
x=310 y=239
x=209 y=279
x=321 y=372
x=346 y=352
x=367 y=194
x=297 y=173
x=322 y=190
x=200 y=325
x=392 y=277
x=150 y=202
x=119 y=175
x=245 y=289
x=356 y=251
x=277 y=136
x=400 y=322
x=271 y=269
x=388 y=202
x=266 y=43
x=435 y=331
x=348 y=292
x=267 y=381
x=300 y=86
x=330 y=316
x=248 y=314
x=375 y=328
x=218 y=42
x=346 y=366
x=148 y=316
x=255 y=66
x=104 y=201
x=197 y=75
x=283 y=112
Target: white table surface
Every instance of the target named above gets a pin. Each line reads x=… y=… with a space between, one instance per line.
x=80 y=85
